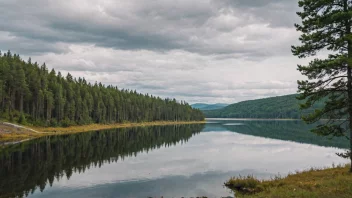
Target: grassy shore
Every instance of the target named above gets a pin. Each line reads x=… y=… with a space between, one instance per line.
x=319 y=183
x=8 y=133
x=15 y=134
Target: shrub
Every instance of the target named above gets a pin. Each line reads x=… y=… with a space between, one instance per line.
x=66 y=122
x=244 y=185
x=53 y=123
x=22 y=119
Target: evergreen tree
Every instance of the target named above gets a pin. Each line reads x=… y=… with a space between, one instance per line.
x=326 y=26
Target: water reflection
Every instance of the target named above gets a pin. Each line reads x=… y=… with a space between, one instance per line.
x=291 y=130
x=169 y=161
x=30 y=165
x=197 y=168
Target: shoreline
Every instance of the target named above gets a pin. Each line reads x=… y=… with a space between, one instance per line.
x=315 y=182
x=258 y=119
x=31 y=132
x=264 y=119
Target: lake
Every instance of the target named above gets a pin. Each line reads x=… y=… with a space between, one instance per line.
x=169 y=161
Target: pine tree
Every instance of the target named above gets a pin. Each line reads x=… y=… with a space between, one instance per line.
x=326 y=26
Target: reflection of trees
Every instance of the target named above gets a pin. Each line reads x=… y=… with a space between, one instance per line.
x=295 y=131
x=29 y=165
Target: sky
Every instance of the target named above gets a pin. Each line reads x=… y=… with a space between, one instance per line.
x=211 y=51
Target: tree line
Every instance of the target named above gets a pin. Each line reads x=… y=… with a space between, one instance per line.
x=30 y=93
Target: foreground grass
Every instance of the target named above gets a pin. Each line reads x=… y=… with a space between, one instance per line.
x=319 y=183
x=16 y=134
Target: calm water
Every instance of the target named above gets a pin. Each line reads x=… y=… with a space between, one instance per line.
x=169 y=161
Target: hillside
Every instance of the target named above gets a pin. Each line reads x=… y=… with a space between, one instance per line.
x=274 y=107
x=32 y=94
x=203 y=106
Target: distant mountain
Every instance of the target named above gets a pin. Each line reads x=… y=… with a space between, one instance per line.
x=274 y=107
x=203 y=106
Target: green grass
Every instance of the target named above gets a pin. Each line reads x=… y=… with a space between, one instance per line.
x=319 y=183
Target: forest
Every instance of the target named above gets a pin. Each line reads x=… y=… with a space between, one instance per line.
x=279 y=107
x=36 y=164
x=203 y=106
x=31 y=94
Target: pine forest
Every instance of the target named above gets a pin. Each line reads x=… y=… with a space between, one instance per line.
x=31 y=94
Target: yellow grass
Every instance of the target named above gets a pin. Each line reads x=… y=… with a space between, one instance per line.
x=8 y=133
x=17 y=134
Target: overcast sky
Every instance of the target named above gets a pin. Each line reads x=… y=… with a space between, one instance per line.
x=199 y=51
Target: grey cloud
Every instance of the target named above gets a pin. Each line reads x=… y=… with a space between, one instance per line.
x=28 y=47
x=197 y=51
x=278 y=13
x=180 y=74
x=256 y=4
x=158 y=25
x=183 y=89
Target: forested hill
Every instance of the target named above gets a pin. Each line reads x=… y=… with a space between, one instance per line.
x=31 y=93
x=203 y=106
x=274 y=107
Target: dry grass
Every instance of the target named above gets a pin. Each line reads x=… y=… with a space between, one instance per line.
x=93 y=127
x=14 y=134
x=8 y=133
x=319 y=183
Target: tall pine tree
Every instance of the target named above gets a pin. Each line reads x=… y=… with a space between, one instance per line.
x=326 y=27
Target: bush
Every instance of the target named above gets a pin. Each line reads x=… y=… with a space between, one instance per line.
x=53 y=123
x=67 y=122
x=38 y=123
x=244 y=185
x=22 y=119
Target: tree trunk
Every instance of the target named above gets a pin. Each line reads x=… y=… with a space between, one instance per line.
x=21 y=103
x=349 y=75
x=349 y=71
x=10 y=104
x=349 y=87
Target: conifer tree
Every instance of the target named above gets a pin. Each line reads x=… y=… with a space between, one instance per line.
x=326 y=27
